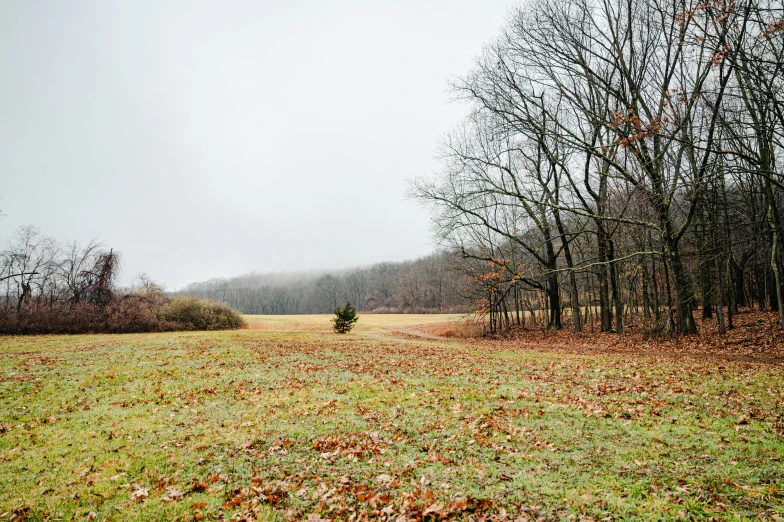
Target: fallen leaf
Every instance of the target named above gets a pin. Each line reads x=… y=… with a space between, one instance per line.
x=140 y=493
x=173 y=493
x=384 y=479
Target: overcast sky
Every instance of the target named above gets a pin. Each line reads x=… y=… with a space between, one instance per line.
x=213 y=138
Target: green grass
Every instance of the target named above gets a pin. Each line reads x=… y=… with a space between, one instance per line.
x=294 y=420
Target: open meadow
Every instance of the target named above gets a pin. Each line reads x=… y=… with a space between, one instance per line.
x=286 y=419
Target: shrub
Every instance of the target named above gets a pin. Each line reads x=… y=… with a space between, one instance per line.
x=198 y=314
x=136 y=313
x=146 y=311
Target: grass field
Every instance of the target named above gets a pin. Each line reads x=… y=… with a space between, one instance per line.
x=288 y=420
x=322 y=322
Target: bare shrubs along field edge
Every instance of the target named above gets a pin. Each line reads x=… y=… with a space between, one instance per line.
x=286 y=420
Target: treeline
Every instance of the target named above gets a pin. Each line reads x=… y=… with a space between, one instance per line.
x=50 y=288
x=431 y=284
x=622 y=161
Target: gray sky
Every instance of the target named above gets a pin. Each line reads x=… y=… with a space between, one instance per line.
x=206 y=139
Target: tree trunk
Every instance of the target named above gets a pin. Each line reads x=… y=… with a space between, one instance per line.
x=654 y=281
x=575 y=296
x=705 y=263
x=616 y=290
x=646 y=299
x=738 y=283
x=605 y=314
x=554 y=302
x=775 y=248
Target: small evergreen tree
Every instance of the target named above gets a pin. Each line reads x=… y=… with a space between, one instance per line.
x=345 y=318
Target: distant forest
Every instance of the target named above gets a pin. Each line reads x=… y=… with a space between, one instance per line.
x=432 y=284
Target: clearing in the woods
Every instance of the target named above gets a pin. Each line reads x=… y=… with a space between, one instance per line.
x=288 y=420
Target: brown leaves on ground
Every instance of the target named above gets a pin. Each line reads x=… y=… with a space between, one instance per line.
x=173 y=494
x=755 y=336
x=139 y=493
x=391 y=429
x=357 y=445
x=347 y=500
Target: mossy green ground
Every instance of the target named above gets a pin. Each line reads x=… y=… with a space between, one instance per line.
x=292 y=419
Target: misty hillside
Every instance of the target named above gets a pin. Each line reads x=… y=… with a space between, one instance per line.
x=429 y=284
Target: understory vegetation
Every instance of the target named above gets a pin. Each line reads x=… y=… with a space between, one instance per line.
x=294 y=422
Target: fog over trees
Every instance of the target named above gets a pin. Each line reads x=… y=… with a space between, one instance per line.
x=430 y=284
